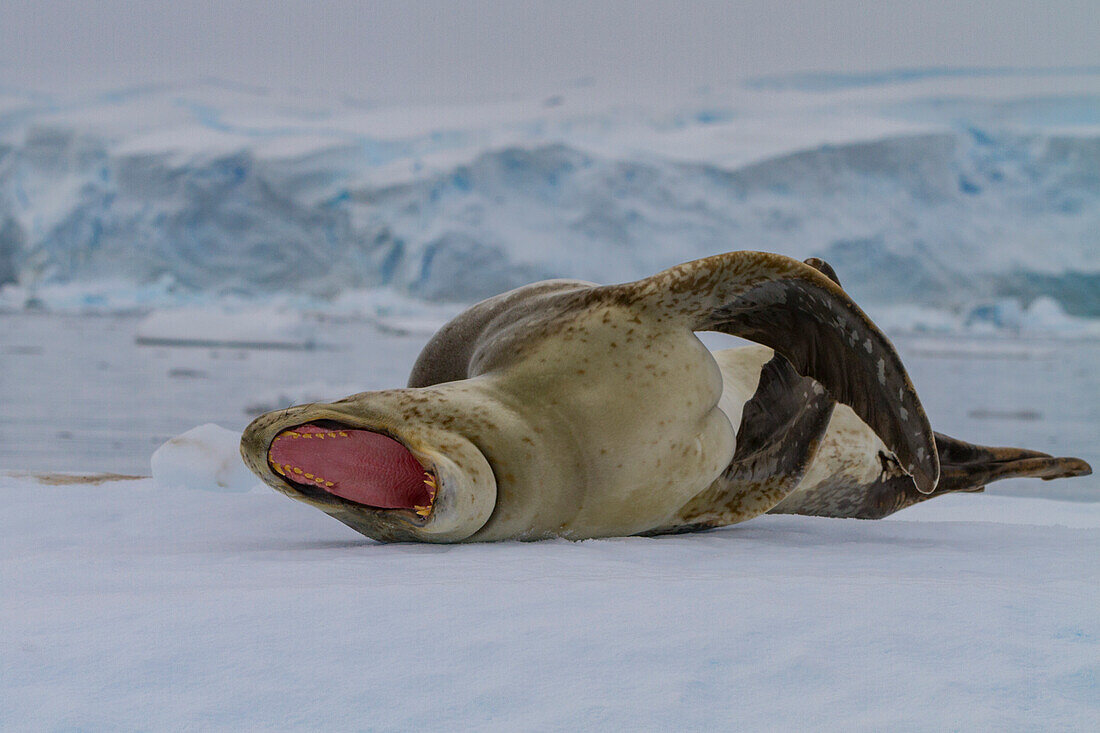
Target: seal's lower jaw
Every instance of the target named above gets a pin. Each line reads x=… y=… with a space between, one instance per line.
x=359 y=466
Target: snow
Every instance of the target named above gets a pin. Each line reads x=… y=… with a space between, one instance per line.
x=255 y=328
x=199 y=595
x=1004 y=510
x=129 y=606
x=939 y=191
x=205 y=458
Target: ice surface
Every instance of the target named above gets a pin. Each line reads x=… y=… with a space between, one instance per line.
x=78 y=394
x=201 y=596
x=1001 y=510
x=125 y=606
x=947 y=190
x=205 y=458
x=212 y=326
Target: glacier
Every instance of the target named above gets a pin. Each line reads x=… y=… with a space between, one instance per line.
x=956 y=191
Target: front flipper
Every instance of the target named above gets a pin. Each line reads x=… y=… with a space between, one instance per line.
x=809 y=319
x=964 y=467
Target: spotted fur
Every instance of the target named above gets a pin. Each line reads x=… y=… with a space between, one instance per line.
x=574 y=410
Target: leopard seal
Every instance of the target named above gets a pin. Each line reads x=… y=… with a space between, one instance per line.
x=569 y=409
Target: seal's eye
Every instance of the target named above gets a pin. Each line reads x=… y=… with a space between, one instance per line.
x=358 y=465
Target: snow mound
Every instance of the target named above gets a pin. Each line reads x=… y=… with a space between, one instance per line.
x=205 y=458
x=256 y=328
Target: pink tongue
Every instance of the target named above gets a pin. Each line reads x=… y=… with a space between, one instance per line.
x=358 y=465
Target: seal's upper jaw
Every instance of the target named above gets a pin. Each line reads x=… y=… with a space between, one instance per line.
x=385 y=475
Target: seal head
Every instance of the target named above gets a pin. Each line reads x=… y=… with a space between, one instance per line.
x=379 y=462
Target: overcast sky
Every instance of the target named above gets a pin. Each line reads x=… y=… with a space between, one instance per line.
x=411 y=50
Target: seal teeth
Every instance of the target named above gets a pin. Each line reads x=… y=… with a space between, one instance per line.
x=429 y=481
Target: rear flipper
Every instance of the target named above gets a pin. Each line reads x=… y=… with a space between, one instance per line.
x=969 y=467
x=963 y=467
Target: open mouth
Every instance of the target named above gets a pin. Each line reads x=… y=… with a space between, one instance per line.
x=357 y=465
